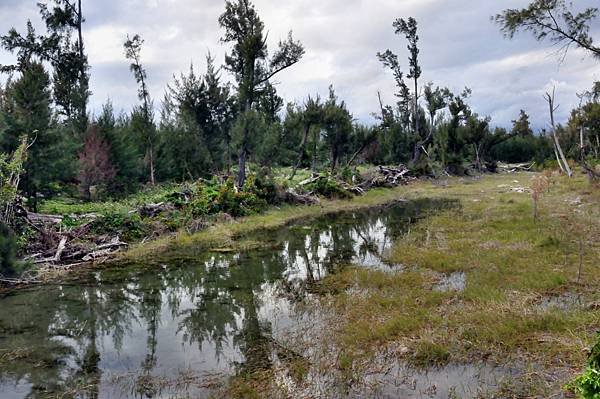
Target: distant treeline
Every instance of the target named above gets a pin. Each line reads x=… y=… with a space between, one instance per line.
x=207 y=127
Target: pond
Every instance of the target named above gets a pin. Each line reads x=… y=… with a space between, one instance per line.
x=186 y=320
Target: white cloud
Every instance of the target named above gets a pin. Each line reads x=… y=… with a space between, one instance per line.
x=460 y=47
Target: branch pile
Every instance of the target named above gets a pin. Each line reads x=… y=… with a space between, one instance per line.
x=515 y=167
x=384 y=176
x=56 y=247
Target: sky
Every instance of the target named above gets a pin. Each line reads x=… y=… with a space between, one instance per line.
x=460 y=46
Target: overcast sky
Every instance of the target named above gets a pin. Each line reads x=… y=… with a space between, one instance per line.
x=460 y=47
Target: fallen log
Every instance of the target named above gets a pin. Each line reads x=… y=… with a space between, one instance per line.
x=516 y=167
x=292 y=197
x=311 y=180
x=60 y=249
x=44 y=219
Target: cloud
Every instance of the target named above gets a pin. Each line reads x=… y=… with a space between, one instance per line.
x=460 y=47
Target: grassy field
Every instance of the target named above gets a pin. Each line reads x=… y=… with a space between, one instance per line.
x=522 y=304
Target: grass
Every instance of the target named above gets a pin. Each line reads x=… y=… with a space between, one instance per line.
x=72 y=206
x=230 y=235
x=511 y=264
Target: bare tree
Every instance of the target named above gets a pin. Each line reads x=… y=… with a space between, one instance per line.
x=560 y=155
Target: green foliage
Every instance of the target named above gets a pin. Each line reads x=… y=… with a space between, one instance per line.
x=213 y=198
x=10 y=171
x=198 y=111
x=125 y=152
x=337 y=122
x=328 y=187
x=523 y=149
x=236 y=203
x=587 y=385
x=129 y=226
x=553 y=20
x=264 y=187
x=26 y=112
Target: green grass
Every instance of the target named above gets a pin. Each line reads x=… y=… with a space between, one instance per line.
x=511 y=264
x=69 y=206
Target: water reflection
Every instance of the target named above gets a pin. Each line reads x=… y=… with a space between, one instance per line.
x=146 y=331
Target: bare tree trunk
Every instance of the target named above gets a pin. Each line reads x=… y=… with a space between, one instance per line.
x=557 y=156
x=314 y=157
x=151 y=159
x=228 y=160
x=550 y=99
x=81 y=58
x=241 y=178
x=580 y=260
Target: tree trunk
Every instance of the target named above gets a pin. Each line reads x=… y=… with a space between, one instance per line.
x=241 y=178
x=228 y=157
x=301 y=152
x=334 y=159
x=557 y=157
x=151 y=160
x=567 y=168
x=82 y=85
x=314 y=157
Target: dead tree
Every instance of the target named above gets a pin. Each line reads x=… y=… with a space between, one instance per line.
x=560 y=155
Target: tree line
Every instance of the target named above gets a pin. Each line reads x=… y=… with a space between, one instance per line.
x=206 y=126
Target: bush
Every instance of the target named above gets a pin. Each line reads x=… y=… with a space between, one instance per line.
x=213 y=198
x=264 y=187
x=127 y=225
x=237 y=203
x=587 y=385
x=329 y=188
x=8 y=251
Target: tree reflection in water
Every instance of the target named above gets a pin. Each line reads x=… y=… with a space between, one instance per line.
x=208 y=313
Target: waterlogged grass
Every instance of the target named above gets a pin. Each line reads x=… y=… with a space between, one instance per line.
x=512 y=264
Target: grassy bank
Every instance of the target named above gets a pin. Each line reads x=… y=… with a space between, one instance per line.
x=522 y=304
x=226 y=235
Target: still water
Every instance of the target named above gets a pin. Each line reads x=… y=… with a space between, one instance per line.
x=186 y=320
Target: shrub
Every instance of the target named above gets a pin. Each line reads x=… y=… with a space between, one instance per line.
x=237 y=203
x=213 y=198
x=587 y=385
x=127 y=225
x=329 y=188
x=8 y=250
x=264 y=187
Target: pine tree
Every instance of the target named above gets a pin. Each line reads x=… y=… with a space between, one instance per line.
x=145 y=124
x=27 y=112
x=337 y=122
x=249 y=63
x=125 y=154
x=521 y=126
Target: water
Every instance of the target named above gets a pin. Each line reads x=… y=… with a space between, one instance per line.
x=184 y=322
